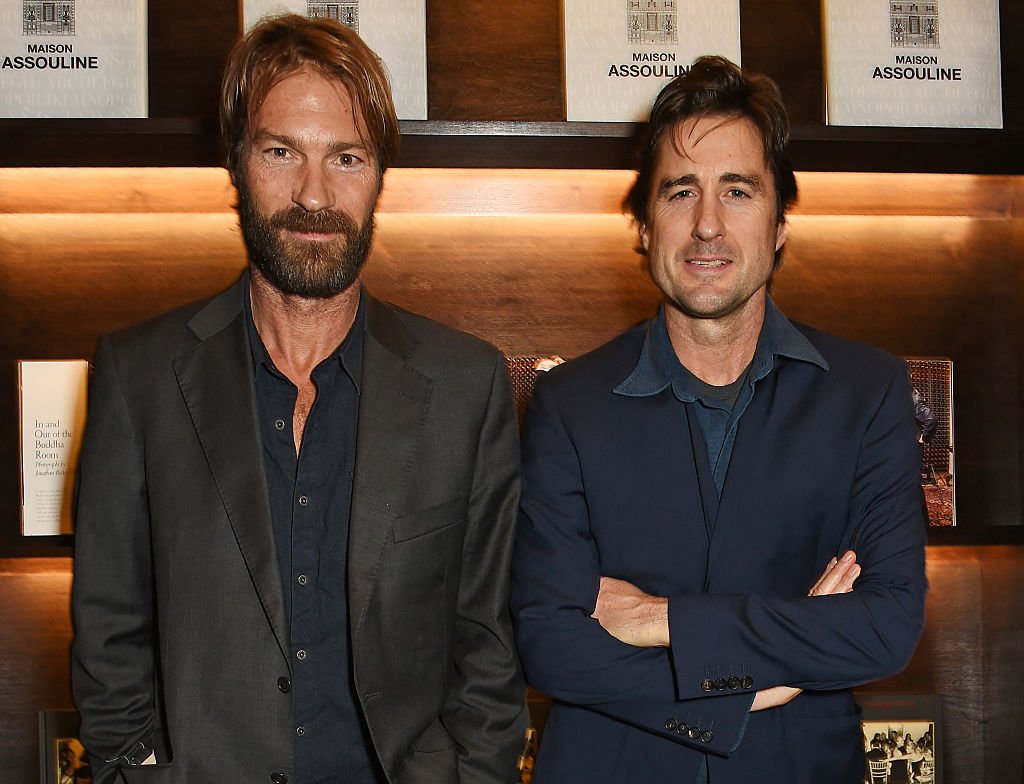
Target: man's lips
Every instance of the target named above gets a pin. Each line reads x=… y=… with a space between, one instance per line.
x=708 y=263
x=312 y=236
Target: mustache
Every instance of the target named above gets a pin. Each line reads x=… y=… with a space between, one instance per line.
x=295 y=218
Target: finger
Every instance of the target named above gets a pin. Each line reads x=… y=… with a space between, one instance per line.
x=837 y=578
x=816 y=587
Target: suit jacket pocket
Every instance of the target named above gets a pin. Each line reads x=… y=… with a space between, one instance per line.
x=434 y=518
x=148 y=774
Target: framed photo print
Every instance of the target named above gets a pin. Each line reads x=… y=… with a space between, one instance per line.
x=902 y=738
x=62 y=759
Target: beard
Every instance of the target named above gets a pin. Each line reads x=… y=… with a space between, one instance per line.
x=304 y=268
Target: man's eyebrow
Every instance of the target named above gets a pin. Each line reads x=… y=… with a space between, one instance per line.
x=263 y=135
x=751 y=180
x=675 y=182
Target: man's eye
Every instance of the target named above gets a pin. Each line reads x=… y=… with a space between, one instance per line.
x=348 y=160
x=681 y=194
x=278 y=153
x=736 y=193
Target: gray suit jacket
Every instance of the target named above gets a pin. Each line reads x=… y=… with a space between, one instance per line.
x=180 y=626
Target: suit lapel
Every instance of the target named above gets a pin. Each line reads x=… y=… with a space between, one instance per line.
x=393 y=406
x=216 y=382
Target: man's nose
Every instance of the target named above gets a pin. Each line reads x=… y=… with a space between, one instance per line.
x=313 y=192
x=708 y=224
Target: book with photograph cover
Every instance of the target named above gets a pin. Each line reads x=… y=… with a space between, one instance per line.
x=396 y=30
x=51 y=401
x=902 y=738
x=62 y=759
x=931 y=380
x=933 y=63
x=73 y=58
x=620 y=53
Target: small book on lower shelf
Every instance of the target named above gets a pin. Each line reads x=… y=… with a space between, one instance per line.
x=51 y=402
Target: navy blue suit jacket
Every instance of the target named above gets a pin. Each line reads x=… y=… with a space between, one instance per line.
x=824 y=460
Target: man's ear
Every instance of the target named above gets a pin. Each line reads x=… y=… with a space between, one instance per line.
x=642 y=231
x=781 y=234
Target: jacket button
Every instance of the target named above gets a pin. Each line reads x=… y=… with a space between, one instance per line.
x=682 y=729
x=284 y=684
x=707 y=685
x=671 y=724
x=278 y=777
x=747 y=682
x=694 y=733
x=734 y=682
x=707 y=735
x=720 y=684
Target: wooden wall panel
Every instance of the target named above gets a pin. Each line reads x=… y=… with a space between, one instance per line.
x=972 y=653
x=543 y=262
x=35 y=630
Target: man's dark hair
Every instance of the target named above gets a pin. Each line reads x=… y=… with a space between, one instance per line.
x=717 y=87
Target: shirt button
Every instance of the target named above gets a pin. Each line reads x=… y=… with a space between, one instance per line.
x=303 y=501
x=279 y=425
x=278 y=777
x=300 y=654
x=284 y=684
x=300 y=730
x=302 y=579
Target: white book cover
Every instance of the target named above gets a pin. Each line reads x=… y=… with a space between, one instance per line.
x=395 y=29
x=620 y=53
x=73 y=58
x=51 y=396
x=933 y=63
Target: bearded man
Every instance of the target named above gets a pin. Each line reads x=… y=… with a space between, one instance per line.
x=295 y=502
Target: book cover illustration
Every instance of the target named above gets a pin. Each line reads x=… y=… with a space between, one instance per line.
x=932 y=390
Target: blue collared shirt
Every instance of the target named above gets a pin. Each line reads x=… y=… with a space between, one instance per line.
x=658 y=369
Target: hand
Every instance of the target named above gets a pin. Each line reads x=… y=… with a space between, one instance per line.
x=838 y=577
x=630 y=615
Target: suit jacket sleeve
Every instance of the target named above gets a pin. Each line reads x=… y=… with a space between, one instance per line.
x=556 y=574
x=831 y=642
x=485 y=710
x=112 y=654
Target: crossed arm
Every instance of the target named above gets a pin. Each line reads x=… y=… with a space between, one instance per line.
x=639 y=619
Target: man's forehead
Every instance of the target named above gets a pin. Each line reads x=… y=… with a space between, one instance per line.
x=708 y=138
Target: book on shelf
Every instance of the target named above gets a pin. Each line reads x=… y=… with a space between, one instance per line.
x=73 y=58
x=931 y=380
x=933 y=63
x=51 y=402
x=620 y=53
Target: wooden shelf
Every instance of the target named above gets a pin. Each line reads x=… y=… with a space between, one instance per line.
x=186 y=141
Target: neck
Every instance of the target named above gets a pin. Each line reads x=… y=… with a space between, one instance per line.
x=716 y=350
x=300 y=332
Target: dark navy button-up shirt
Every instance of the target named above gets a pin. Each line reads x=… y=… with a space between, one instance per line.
x=660 y=368
x=718 y=413
x=310 y=501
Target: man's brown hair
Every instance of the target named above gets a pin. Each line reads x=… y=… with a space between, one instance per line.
x=279 y=46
